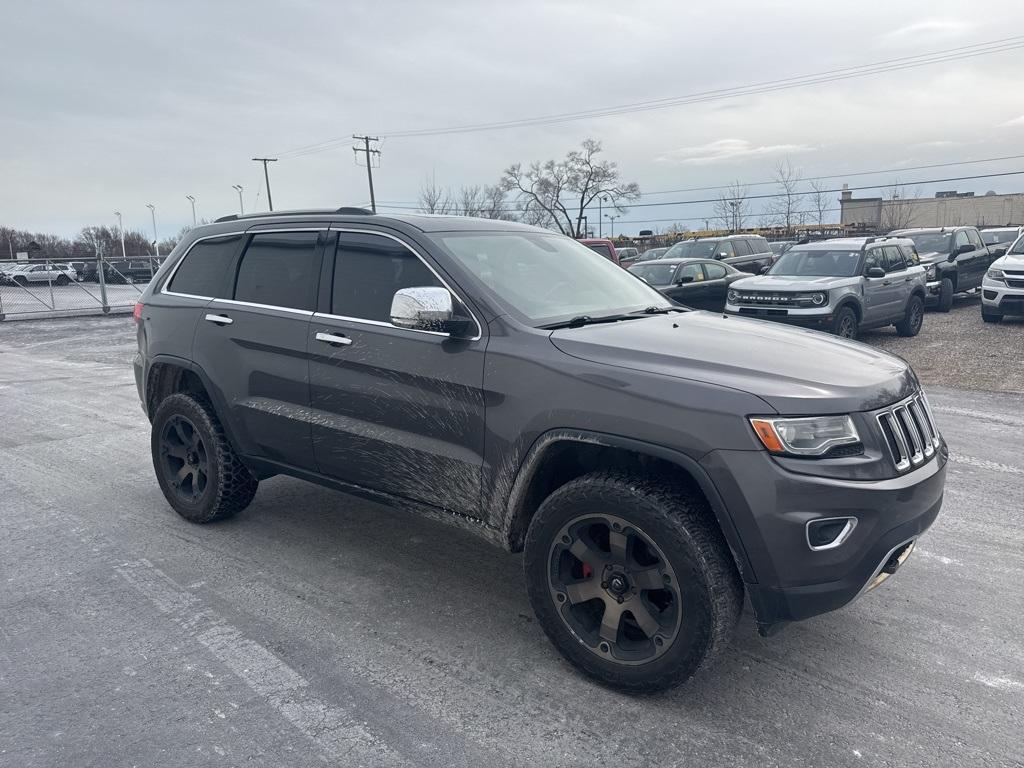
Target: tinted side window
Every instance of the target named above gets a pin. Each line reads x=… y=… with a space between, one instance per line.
x=873 y=258
x=725 y=247
x=960 y=239
x=762 y=245
x=894 y=257
x=602 y=249
x=714 y=271
x=910 y=255
x=281 y=269
x=975 y=238
x=203 y=269
x=368 y=270
x=742 y=247
x=692 y=271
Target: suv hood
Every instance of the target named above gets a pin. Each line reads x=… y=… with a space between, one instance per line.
x=795 y=371
x=1011 y=261
x=781 y=283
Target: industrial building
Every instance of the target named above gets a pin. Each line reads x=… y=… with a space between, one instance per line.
x=949 y=208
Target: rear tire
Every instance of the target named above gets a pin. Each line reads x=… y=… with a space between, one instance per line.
x=63 y=280
x=845 y=323
x=198 y=471
x=946 y=295
x=632 y=580
x=913 y=318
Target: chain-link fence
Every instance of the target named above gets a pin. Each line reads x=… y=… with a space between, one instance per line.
x=50 y=288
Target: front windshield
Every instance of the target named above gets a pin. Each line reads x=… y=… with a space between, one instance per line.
x=817 y=263
x=929 y=242
x=998 y=237
x=548 y=278
x=654 y=253
x=1018 y=247
x=654 y=273
x=692 y=249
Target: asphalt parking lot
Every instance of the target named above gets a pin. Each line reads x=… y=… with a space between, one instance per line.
x=317 y=629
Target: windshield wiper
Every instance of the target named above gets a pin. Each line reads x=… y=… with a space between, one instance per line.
x=658 y=310
x=580 y=320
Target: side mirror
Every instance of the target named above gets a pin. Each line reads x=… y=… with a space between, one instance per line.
x=721 y=255
x=763 y=270
x=875 y=272
x=965 y=248
x=428 y=308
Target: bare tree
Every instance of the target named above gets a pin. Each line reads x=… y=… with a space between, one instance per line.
x=732 y=207
x=434 y=199
x=559 y=192
x=786 y=205
x=819 y=200
x=898 y=205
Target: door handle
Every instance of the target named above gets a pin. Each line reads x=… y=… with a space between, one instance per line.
x=887 y=282
x=220 y=319
x=332 y=338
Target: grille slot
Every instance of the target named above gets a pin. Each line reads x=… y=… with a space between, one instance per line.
x=909 y=431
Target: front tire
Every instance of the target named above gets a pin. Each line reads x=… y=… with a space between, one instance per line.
x=946 y=295
x=198 y=471
x=913 y=318
x=632 y=580
x=845 y=323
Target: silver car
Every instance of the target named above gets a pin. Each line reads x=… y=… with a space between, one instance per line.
x=841 y=286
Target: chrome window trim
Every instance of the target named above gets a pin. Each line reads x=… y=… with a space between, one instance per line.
x=418 y=255
x=255 y=305
x=851 y=523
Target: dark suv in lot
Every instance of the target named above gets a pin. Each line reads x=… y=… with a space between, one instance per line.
x=747 y=253
x=654 y=463
x=955 y=259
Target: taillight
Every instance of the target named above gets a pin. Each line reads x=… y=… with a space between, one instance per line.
x=137 y=312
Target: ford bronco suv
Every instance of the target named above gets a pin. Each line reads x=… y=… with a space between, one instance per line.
x=955 y=260
x=841 y=286
x=654 y=463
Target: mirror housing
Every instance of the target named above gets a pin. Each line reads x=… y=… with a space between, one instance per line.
x=721 y=255
x=965 y=248
x=763 y=270
x=875 y=272
x=428 y=308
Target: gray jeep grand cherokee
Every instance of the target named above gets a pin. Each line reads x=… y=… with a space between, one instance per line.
x=654 y=463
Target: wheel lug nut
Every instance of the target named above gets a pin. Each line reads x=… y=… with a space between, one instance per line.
x=604 y=585
x=604 y=647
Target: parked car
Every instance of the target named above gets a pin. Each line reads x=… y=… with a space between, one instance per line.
x=841 y=286
x=627 y=255
x=654 y=464
x=747 y=253
x=955 y=260
x=697 y=283
x=80 y=269
x=603 y=246
x=9 y=269
x=1002 y=290
x=42 y=272
x=652 y=253
x=999 y=239
x=779 y=247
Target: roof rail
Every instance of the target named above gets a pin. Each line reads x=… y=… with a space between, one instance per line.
x=353 y=210
x=231 y=217
x=346 y=210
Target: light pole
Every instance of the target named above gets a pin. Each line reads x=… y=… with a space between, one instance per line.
x=156 y=246
x=612 y=220
x=193 y=201
x=735 y=205
x=238 y=189
x=600 y=216
x=120 y=230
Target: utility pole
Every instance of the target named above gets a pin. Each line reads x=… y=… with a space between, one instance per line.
x=120 y=229
x=612 y=220
x=266 y=176
x=192 y=200
x=156 y=246
x=369 y=163
x=241 y=205
x=600 y=216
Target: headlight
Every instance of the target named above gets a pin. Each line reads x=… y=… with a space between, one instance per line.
x=817 y=299
x=995 y=274
x=930 y=272
x=812 y=436
x=733 y=296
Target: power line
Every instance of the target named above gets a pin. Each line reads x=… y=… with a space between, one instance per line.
x=515 y=209
x=768 y=86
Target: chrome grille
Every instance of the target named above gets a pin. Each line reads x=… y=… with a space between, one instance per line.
x=909 y=431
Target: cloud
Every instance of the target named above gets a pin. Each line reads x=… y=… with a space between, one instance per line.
x=940 y=144
x=929 y=28
x=1014 y=123
x=725 y=150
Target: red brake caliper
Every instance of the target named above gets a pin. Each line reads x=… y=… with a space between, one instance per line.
x=587 y=571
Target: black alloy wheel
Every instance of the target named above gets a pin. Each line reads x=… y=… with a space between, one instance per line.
x=614 y=589
x=184 y=459
x=846 y=324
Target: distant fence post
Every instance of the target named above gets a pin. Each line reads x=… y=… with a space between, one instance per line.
x=100 y=270
x=2 y=315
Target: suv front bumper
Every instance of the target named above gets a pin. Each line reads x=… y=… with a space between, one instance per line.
x=817 y=318
x=999 y=298
x=770 y=507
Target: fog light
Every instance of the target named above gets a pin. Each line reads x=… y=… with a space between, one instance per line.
x=829 y=532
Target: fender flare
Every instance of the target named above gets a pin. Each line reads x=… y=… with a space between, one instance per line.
x=534 y=459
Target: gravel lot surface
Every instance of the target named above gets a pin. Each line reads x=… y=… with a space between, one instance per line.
x=958 y=349
x=315 y=629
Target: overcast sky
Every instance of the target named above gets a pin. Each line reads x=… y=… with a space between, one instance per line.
x=111 y=105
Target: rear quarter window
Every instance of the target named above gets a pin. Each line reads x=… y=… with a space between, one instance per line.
x=203 y=270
